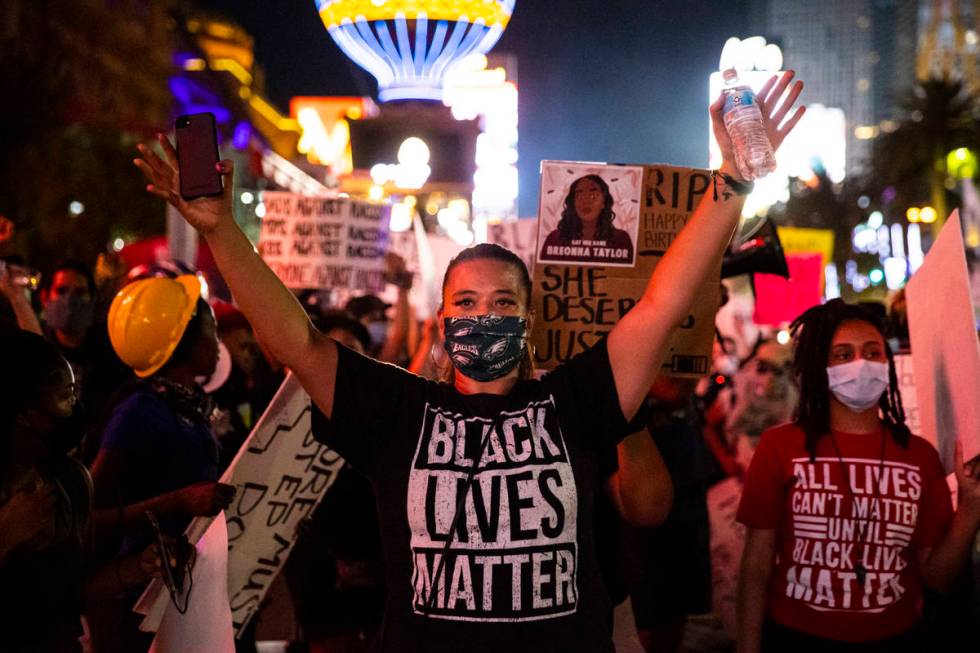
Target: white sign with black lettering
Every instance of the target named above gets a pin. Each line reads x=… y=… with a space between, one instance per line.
x=513 y=554
x=280 y=475
x=324 y=242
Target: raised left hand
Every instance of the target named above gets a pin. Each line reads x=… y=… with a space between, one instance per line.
x=968 y=480
x=775 y=102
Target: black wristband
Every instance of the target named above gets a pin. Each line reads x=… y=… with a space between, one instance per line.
x=738 y=187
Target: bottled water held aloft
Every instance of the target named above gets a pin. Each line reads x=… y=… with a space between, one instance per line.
x=743 y=120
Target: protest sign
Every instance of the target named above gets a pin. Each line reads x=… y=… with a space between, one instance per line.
x=324 y=242
x=905 y=371
x=796 y=240
x=779 y=300
x=727 y=541
x=945 y=351
x=280 y=475
x=588 y=213
x=206 y=624
x=576 y=305
x=519 y=236
x=426 y=257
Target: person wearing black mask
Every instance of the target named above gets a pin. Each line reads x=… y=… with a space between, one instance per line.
x=72 y=323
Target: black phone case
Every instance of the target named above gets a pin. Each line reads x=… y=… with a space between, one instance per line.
x=197 y=156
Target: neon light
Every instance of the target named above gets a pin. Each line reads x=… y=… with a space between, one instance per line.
x=269 y=112
x=896 y=270
x=916 y=255
x=377 y=36
x=898 y=243
x=472 y=91
x=491 y=12
x=831 y=282
x=233 y=67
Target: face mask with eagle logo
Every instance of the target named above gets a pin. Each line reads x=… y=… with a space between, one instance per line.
x=485 y=347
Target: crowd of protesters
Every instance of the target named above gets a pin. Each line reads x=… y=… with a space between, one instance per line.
x=118 y=421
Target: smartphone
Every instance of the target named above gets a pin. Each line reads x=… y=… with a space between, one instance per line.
x=197 y=156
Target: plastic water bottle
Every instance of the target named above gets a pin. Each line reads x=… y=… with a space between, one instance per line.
x=743 y=120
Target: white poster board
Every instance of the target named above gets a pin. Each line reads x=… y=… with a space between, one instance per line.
x=280 y=475
x=324 y=242
x=945 y=349
x=727 y=541
x=519 y=236
x=905 y=371
x=206 y=625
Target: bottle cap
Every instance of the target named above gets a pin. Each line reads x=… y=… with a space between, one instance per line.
x=730 y=75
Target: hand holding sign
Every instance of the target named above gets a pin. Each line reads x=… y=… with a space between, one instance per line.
x=968 y=482
x=203 y=213
x=205 y=499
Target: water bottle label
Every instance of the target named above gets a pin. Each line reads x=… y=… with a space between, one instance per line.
x=740 y=98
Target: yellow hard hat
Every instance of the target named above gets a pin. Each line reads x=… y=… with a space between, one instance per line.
x=148 y=318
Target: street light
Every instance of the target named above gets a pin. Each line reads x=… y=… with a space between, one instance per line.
x=962 y=163
x=913 y=214
x=928 y=214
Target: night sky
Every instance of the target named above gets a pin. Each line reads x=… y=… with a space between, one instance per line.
x=623 y=81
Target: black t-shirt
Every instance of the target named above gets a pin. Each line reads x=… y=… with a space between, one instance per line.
x=521 y=572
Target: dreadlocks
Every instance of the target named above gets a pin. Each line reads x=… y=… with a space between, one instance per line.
x=813 y=332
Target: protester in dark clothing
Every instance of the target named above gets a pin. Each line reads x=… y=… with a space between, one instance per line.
x=637 y=492
x=669 y=567
x=250 y=386
x=388 y=336
x=72 y=323
x=335 y=570
x=158 y=452
x=45 y=506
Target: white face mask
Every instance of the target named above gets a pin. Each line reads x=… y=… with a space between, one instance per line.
x=858 y=384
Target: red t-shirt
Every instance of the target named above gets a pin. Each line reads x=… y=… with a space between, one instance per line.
x=819 y=529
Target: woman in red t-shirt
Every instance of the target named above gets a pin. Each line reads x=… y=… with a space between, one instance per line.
x=848 y=513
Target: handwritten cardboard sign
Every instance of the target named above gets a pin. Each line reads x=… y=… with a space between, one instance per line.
x=324 y=242
x=576 y=305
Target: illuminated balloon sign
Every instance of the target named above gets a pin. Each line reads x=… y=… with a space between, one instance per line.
x=409 y=45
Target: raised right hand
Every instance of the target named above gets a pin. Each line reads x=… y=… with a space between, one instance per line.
x=203 y=213
x=205 y=499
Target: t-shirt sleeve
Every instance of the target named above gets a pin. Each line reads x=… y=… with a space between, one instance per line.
x=765 y=486
x=134 y=426
x=585 y=391
x=936 y=507
x=368 y=395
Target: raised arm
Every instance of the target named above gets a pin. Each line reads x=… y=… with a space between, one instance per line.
x=637 y=342
x=273 y=311
x=20 y=303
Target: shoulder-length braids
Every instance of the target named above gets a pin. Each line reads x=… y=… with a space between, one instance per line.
x=813 y=332
x=570 y=225
x=493 y=252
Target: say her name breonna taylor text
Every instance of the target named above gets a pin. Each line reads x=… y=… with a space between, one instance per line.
x=833 y=533
x=514 y=551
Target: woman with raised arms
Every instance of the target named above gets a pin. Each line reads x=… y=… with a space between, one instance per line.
x=485 y=484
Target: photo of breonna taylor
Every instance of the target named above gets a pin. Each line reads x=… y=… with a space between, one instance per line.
x=596 y=219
